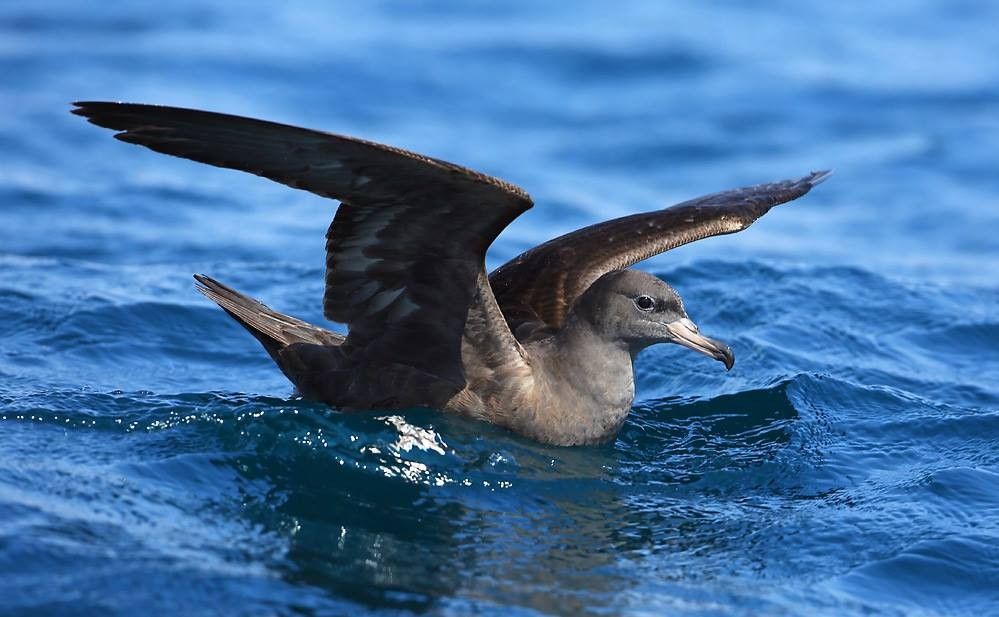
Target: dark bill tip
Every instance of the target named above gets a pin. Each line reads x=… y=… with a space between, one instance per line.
x=726 y=356
x=685 y=333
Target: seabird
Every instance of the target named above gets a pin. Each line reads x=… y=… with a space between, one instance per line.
x=543 y=346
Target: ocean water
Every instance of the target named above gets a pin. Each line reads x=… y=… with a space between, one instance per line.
x=154 y=462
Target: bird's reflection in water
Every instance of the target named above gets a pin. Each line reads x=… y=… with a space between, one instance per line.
x=384 y=510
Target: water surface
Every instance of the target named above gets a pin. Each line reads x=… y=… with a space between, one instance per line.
x=153 y=461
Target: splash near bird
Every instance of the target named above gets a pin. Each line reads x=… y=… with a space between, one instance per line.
x=543 y=346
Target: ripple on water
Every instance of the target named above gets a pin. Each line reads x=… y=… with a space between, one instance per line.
x=153 y=462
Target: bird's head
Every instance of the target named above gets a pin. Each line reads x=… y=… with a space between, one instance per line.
x=639 y=310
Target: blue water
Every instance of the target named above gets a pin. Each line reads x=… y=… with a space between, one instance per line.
x=153 y=461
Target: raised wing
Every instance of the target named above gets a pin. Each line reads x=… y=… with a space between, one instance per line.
x=538 y=287
x=405 y=246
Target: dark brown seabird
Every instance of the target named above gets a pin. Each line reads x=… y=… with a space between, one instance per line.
x=542 y=346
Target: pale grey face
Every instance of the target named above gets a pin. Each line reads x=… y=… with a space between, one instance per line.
x=641 y=310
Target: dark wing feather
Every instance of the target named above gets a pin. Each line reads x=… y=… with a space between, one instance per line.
x=404 y=248
x=537 y=287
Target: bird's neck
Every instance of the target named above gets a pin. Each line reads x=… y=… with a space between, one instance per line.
x=591 y=383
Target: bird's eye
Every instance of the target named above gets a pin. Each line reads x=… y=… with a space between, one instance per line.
x=645 y=303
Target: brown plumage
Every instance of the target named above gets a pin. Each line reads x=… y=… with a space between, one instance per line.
x=544 y=345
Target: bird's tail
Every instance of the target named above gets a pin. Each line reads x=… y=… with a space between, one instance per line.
x=274 y=330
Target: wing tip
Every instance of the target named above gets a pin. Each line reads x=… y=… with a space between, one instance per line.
x=818 y=177
x=84 y=108
x=88 y=108
x=202 y=283
x=209 y=286
x=105 y=114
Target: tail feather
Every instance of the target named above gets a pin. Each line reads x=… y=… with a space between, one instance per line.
x=274 y=330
